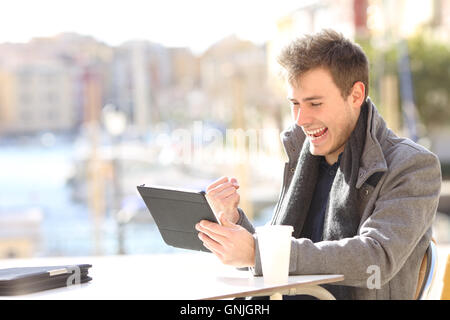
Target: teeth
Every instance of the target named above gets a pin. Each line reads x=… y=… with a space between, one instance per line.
x=312 y=132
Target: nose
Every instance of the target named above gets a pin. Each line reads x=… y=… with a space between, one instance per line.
x=301 y=117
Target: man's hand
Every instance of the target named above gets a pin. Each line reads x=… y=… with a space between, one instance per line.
x=223 y=197
x=231 y=243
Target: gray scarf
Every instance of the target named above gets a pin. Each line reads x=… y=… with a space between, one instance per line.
x=341 y=216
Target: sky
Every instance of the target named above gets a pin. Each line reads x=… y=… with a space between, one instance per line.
x=193 y=23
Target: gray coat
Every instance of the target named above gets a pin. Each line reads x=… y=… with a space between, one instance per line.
x=396 y=216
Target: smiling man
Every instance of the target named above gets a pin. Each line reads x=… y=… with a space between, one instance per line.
x=325 y=117
x=359 y=197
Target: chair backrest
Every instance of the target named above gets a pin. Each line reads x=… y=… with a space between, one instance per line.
x=445 y=294
x=427 y=272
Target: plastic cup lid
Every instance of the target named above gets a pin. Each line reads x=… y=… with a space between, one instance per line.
x=275 y=228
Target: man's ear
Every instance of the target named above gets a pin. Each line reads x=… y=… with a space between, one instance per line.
x=357 y=94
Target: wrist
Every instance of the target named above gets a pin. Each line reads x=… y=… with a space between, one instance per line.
x=236 y=216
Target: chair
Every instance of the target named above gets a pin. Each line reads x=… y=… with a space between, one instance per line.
x=427 y=272
x=445 y=294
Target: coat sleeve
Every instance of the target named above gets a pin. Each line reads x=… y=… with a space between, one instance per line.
x=244 y=222
x=403 y=212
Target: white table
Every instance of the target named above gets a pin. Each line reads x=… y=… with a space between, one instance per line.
x=194 y=275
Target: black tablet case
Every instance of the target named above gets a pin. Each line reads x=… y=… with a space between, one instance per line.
x=176 y=212
x=18 y=281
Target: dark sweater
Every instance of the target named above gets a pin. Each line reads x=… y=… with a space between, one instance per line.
x=313 y=226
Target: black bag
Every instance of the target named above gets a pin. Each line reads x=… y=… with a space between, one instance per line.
x=17 y=281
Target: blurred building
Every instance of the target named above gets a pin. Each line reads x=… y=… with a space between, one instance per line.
x=361 y=18
x=182 y=100
x=20 y=233
x=346 y=16
x=37 y=97
x=403 y=18
x=140 y=70
x=46 y=83
x=66 y=80
x=233 y=76
x=185 y=68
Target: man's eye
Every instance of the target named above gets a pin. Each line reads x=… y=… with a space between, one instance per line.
x=316 y=104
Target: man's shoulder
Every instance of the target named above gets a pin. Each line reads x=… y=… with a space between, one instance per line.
x=395 y=149
x=412 y=166
x=403 y=152
x=397 y=146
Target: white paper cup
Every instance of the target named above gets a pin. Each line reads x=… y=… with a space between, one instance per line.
x=274 y=243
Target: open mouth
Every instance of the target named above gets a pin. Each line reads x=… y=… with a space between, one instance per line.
x=317 y=133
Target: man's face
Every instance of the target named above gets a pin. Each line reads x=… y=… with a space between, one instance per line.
x=325 y=117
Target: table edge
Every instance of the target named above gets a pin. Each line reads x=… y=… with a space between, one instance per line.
x=278 y=288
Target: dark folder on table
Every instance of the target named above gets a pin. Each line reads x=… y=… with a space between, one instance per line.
x=17 y=281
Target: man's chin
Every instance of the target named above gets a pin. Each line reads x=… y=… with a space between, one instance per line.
x=316 y=151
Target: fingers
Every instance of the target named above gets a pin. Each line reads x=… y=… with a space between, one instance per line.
x=215 y=237
x=216 y=183
x=212 y=240
x=233 y=197
x=231 y=243
x=235 y=182
x=217 y=253
x=212 y=245
x=213 y=230
x=217 y=189
x=223 y=197
x=221 y=183
x=224 y=193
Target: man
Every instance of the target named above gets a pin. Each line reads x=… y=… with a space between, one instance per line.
x=359 y=197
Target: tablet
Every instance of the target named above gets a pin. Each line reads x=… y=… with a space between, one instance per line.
x=176 y=212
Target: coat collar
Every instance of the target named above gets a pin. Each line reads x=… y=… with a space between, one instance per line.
x=372 y=159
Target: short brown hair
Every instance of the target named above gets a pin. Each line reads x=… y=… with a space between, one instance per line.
x=345 y=59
